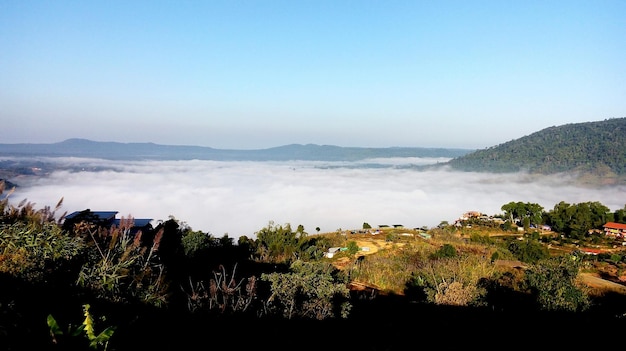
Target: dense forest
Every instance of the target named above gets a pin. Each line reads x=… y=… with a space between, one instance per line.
x=591 y=148
x=96 y=286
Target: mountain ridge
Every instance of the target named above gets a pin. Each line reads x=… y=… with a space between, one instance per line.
x=77 y=147
x=595 y=152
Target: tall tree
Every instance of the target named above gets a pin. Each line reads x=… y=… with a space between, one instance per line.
x=276 y=243
x=517 y=212
x=575 y=221
x=620 y=215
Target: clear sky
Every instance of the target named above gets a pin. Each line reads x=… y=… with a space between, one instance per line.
x=257 y=74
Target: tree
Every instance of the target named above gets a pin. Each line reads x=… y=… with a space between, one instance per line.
x=366 y=225
x=575 y=221
x=584 y=219
x=300 y=231
x=553 y=281
x=276 y=243
x=529 y=251
x=170 y=247
x=560 y=216
x=226 y=241
x=195 y=242
x=510 y=211
x=445 y=251
x=526 y=213
x=534 y=212
x=620 y=215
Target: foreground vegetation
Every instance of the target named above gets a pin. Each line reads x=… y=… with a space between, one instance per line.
x=110 y=288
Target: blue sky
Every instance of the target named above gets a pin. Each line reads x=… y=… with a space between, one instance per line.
x=258 y=74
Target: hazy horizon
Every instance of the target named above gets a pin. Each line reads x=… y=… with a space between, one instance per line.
x=110 y=140
x=241 y=198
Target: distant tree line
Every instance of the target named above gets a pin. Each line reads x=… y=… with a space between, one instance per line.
x=571 y=220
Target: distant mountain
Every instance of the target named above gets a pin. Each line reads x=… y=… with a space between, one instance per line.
x=594 y=150
x=151 y=151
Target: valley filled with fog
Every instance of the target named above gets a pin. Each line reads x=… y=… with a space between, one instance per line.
x=240 y=198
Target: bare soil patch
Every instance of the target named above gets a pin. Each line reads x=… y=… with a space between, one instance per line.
x=369 y=244
x=594 y=281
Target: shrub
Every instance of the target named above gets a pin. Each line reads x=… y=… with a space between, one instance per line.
x=445 y=251
x=529 y=251
x=554 y=283
x=195 y=242
x=353 y=247
x=481 y=239
x=311 y=290
x=30 y=251
x=83 y=334
x=124 y=269
x=453 y=281
x=224 y=294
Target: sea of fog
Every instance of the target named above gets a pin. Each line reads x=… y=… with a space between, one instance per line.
x=240 y=198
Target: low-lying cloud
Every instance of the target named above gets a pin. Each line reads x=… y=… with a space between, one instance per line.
x=240 y=198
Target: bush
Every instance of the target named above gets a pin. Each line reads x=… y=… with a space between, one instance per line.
x=311 y=290
x=124 y=270
x=445 y=251
x=529 y=251
x=353 y=247
x=452 y=281
x=30 y=251
x=554 y=283
x=481 y=239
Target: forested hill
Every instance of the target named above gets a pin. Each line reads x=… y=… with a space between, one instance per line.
x=591 y=148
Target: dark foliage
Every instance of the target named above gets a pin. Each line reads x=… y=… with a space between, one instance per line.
x=388 y=322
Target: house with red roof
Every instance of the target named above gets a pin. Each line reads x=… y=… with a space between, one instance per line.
x=615 y=229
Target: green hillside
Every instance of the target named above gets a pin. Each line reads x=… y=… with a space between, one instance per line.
x=592 y=150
